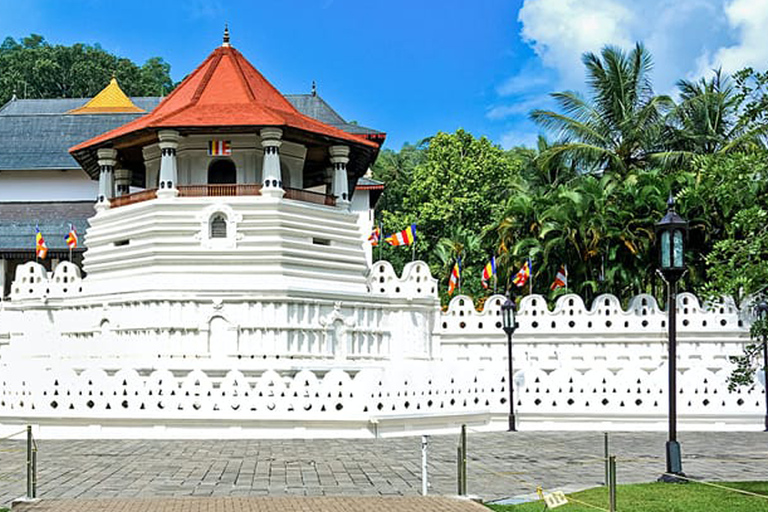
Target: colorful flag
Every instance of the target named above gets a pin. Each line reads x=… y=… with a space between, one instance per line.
x=489 y=271
x=561 y=279
x=41 y=250
x=375 y=236
x=453 y=281
x=404 y=237
x=71 y=237
x=219 y=148
x=522 y=276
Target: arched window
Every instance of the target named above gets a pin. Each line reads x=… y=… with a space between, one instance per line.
x=221 y=172
x=218 y=226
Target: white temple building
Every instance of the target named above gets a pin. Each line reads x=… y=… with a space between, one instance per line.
x=226 y=290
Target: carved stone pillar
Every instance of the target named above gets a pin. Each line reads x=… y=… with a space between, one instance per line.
x=123 y=181
x=169 y=142
x=107 y=158
x=271 y=175
x=340 y=159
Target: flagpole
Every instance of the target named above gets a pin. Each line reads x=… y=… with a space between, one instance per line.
x=459 y=263
x=530 y=278
x=566 y=278
x=381 y=241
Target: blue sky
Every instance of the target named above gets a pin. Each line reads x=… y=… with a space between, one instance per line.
x=412 y=68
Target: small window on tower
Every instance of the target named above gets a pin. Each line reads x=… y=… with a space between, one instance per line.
x=218 y=226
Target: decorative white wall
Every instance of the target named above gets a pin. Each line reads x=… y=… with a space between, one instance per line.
x=384 y=362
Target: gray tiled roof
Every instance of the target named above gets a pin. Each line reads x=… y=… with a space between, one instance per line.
x=17 y=229
x=37 y=134
x=64 y=105
x=314 y=106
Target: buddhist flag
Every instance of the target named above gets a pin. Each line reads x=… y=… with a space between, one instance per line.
x=489 y=272
x=561 y=279
x=404 y=237
x=523 y=275
x=375 y=236
x=71 y=237
x=453 y=281
x=41 y=250
x=219 y=148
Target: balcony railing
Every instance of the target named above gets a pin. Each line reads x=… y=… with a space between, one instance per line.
x=219 y=190
x=307 y=196
x=136 y=197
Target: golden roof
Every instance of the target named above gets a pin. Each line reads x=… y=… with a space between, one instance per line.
x=110 y=100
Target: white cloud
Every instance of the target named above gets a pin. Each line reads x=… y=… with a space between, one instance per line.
x=521 y=107
x=560 y=31
x=515 y=138
x=748 y=19
x=687 y=38
x=521 y=83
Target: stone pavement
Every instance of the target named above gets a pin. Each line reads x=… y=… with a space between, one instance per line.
x=500 y=464
x=286 y=504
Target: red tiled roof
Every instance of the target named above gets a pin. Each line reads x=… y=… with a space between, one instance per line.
x=225 y=90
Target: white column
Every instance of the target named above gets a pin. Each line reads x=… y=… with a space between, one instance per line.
x=169 y=142
x=340 y=159
x=122 y=181
x=107 y=158
x=3 y=268
x=271 y=175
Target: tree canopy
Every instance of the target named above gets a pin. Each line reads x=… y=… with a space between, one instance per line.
x=34 y=68
x=589 y=198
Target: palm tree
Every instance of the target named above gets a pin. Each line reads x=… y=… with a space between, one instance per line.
x=619 y=127
x=707 y=121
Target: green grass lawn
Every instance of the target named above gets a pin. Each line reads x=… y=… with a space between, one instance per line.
x=658 y=497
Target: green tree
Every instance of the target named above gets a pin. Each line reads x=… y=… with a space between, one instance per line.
x=708 y=120
x=458 y=186
x=619 y=127
x=33 y=68
x=395 y=169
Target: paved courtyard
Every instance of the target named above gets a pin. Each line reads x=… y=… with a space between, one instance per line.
x=500 y=465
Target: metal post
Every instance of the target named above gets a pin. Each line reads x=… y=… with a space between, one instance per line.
x=510 y=383
x=674 y=462
x=612 y=483
x=765 y=372
x=30 y=492
x=458 y=470
x=606 y=455
x=34 y=471
x=424 y=478
x=463 y=460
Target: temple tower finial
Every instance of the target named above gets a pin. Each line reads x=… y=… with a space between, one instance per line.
x=225 y=44
x=314 y=88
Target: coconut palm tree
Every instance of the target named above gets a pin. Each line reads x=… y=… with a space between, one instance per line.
x=619 y=126
x=707 y=120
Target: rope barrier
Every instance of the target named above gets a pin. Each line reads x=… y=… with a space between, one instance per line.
x=13 y=435
x=571 y=498
x=726 y=488
x=523 y=481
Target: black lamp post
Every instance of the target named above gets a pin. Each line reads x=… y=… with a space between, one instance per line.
x=762 y=311
x=508 y=319
x=672 y=231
